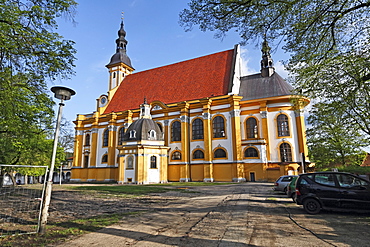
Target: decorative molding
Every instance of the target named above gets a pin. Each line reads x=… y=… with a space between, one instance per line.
x=112 y=128
x=235 y=113
x=263 y=114
x=166 y=122
x=184 y=119
x=206 y=116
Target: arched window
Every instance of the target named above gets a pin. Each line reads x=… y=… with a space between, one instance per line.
x=218 y=127
x=105 y=138
x=152 y=135
x=283 y=125
x=87 y=140
x=132 y=134
x=285 y=152
x=130 y=162
x=251 y=153
x=104 y=159
x=121 y=132
x=153 y=162
x=219 y=153
x=176 y=156
x=198 y=154
x=197 y=129
x=252 y=128
x=176 y=131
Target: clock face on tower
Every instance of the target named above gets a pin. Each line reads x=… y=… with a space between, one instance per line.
x=103 y=100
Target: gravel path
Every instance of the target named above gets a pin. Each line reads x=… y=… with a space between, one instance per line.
x=247 y=214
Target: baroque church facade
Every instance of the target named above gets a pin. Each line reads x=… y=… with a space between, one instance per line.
x=196 y=120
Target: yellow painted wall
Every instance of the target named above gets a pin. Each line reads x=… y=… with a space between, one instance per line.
x=197 y=173
x=173 y=173
x=223 y=172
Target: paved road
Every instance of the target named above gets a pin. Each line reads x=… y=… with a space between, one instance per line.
x=247 y=214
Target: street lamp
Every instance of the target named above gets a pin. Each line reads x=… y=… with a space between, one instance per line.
x=61 y=93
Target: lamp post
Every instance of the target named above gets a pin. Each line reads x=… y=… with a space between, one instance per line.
x=61 y=93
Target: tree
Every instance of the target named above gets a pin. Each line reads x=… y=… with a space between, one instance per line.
x=333 y=139
x=328 y=41
x=31 y=55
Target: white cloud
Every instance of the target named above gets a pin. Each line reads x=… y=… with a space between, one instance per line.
x=245 y=59
x=280 y=69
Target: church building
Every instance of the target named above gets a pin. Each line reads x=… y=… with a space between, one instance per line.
x=196 y=120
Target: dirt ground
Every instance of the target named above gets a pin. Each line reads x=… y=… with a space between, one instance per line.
x=246 y=214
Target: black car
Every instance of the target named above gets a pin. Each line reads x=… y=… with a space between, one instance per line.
x=330 y=190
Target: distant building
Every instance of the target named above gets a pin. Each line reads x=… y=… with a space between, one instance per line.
x=196 y=120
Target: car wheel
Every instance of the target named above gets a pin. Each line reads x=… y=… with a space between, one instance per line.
x=312 y=206
x=285 y=190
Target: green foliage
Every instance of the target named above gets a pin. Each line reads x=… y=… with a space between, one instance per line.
x=328 y=41
x=332 y=139
x=31 y=54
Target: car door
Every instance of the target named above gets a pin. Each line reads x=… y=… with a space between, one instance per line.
x=355 y=192
x=326 y=189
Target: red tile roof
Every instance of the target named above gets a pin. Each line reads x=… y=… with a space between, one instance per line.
x=192 y=79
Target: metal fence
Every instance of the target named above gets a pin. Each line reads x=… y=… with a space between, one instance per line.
x=20 y=203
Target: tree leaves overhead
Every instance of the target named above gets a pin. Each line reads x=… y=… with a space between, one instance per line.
x=31 y=54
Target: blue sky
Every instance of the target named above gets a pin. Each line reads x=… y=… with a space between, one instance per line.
x=155 y=39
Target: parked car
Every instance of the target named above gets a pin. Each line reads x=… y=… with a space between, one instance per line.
x=282 y=183
x=332 y=190
x=291 y=188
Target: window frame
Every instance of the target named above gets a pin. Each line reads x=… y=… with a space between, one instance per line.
x=251 y=131
x=283 y=127
x=218 y=127
x=106 y=138
x=251 y=157
x=176 y=131
x=197 y=151
x=289 y=152
x=121 y=133
x=197 y=129
x=221 y=157
x=153 y=162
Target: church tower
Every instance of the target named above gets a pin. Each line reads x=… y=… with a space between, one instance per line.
x=120 y=64
x=267 y=64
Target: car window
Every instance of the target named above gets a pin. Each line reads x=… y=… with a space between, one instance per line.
x=325 y=179
x=348 y=181
x=286 y=179
x=303 y=181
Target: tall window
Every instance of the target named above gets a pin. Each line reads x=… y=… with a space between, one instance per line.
x=220 y=153
x=197 y=129
x=176 y=156
x=105 y=138
x=283 y=125
x=121 y=132
x=218 y=127
x=130 y=162
x=251 y=153
x=87 y=140
x=252 y=129
x=176 y=131
x=153 y=162
x=285 y=152
x=198 y=154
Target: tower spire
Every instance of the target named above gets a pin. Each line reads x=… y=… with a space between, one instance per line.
x=267 y=64
x=120 y=64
